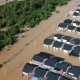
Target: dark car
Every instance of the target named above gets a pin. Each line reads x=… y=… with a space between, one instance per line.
x=40 y=58
x=52 y=62
x=74 y=71
x=62 y=66
x=28 y=68
x=40 y=72
x=52 y=76
x=47 y=42
x=68 y=21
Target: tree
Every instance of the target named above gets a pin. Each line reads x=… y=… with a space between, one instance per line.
x=1 y=44
x=61 y=2
x=12 y=30
x=32 y=23
x=7 y=41
x=16 y=14
x=2 y=35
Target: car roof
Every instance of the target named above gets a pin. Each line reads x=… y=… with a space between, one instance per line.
x=75 y=41
x=40 y=72
x=51 y=62
x=74 y=70
x=75 y=14
x=71 y=27
x=62 y=66
x=78 y=10
x=63 y=25
x=57 y=44
x=77 y=48
x=78 y=29
x=38 y=58
x=42 y=56
x=48 y=41
x=52 y=76
x=59 y=36
x=74 y=53
x=68 y=21
x=77 y=22
x=28 y=68
x=46 y=55
x=67 y=47
x=68 y=38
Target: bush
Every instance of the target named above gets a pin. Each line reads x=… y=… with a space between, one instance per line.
x=61 y=2
x=7 y=41
x=12 y=30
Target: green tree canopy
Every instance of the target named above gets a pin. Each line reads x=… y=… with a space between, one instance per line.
x=16 y=14
x=12 y=30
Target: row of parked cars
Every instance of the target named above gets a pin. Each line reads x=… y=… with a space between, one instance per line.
x=70 y=26
x=68 y=44
x=45 y=66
